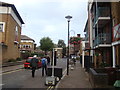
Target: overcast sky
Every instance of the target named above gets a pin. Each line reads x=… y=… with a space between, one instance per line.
x=46 y=18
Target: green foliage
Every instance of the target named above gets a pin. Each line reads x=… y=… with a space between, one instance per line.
x=18 y=59
x=36 y=53
x=104 y=64
x=11 y=60
x=61 y=43
x=77 y=58
x=46 y=44
x=25 y=55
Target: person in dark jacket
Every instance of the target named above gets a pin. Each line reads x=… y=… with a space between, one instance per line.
x=48 y=60
x=34 y=64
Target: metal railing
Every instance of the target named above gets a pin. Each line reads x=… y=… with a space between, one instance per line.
x=102 y=38
x=102 y=12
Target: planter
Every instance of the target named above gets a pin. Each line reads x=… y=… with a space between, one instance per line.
x=98 y=78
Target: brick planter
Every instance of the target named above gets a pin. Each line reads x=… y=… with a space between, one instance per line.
x=98 y=78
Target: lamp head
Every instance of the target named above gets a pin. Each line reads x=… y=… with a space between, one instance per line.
x=68 y=17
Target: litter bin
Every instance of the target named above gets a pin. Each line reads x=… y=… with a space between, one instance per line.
x=57 y=71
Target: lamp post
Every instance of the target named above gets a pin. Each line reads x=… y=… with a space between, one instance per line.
x=68 y=19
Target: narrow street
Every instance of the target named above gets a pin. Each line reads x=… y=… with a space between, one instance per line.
x=21 y=78
x=79 y=38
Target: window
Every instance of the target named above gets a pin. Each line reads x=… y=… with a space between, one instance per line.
x=1 y=27
x=2 y=24
x=16 y=33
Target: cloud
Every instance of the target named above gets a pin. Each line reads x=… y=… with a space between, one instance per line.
x=47 y=17
x=49 y=29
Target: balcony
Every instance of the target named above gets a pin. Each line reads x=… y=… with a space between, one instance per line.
x=102 y=40
x=102 y=16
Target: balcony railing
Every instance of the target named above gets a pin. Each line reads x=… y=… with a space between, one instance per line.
x=102 y=12
x=102 y=38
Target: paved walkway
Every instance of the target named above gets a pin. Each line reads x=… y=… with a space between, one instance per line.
x=77 y=78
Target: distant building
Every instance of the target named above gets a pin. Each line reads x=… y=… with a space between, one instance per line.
x=10 y=31
x=59 y=52
x=27 y=44
x=75 y=42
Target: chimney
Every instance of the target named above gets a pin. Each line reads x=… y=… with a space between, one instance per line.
x=78 y=35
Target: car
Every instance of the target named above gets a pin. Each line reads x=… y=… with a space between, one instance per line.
x=27 y=63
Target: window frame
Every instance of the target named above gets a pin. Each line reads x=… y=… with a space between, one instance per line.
x=3 y=28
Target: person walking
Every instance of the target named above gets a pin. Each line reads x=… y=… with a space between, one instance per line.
x=48 y=60
x=44 y=65
x=34 y=64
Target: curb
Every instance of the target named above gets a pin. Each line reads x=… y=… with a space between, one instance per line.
x=11 y=70
x=12 y=64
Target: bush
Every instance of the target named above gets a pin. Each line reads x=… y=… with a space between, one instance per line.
x=25 y=55
x=38 y=54
x=11 y=60
x=18 y=59
x=77 y=58
x=104 y=64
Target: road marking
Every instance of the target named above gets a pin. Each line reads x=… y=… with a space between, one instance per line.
x=48 y=87
x=51 y=87
x=10 y=71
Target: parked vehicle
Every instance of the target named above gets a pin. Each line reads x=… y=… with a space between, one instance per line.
x=27 y=63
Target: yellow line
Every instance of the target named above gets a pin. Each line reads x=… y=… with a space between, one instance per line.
x=11 y=71
x=48 y=87
x=52 y=87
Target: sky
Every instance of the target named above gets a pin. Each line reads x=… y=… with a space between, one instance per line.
x=46 y=18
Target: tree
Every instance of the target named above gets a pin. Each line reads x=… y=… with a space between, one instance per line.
x=46 y=44
x=62 y=45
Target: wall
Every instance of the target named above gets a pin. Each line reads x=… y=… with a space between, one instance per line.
x=11 y=51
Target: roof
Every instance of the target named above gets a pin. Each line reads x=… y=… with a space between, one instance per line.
x=14 y=9
x=24 y=37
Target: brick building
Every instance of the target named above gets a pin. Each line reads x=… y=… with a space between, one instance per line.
x=115 y=6
x=103 y=31
x=10 y=31
x=27 y=44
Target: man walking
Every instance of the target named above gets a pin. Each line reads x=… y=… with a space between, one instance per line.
x=44 y=65
x=34 y=64
x=48 y=60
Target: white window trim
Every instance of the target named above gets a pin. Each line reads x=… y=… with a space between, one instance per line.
x=9 y=10
x=3 y=26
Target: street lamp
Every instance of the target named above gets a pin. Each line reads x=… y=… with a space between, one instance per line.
x=68 y=19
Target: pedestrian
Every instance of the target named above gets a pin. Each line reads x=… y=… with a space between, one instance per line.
x=48 y=60
x=44 y=65
x=34 y=64
x=74 y=60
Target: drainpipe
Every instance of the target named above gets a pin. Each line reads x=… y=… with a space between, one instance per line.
x=83 y=52
x=113 y=48
x=6 y=25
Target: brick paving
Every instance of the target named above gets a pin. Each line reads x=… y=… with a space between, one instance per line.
x=77 y=78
